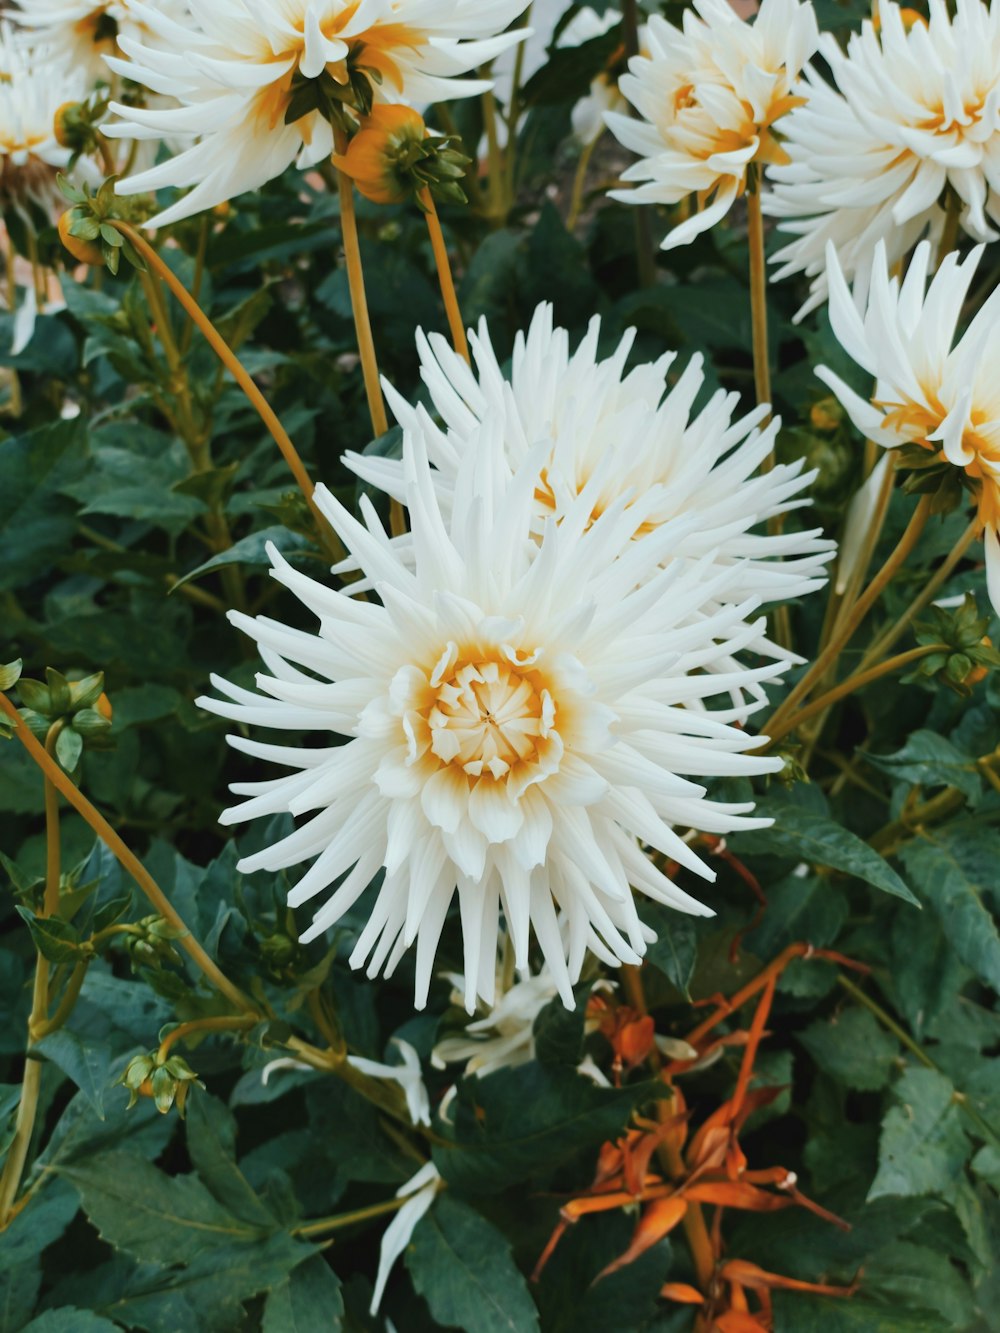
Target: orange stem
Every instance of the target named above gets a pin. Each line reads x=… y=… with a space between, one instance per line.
x=448 y=294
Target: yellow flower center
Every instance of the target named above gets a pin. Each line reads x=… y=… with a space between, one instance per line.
x=489 y=716
x=914 y=422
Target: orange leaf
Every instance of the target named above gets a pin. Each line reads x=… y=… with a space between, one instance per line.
x=682 y=1293
x=749 y=1275
x=726 y=1194
x=735 y=1321
x=657 y=1221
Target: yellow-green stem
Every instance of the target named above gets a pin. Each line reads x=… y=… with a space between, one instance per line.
x=68 y=1002
x=758 y=300
x=222 y=1023
x=889 y=637
x=853 y=683
x=232 y=363
x=864 y=604
x=445 y=278
x=27 y=1109
x=949 y=233
x=497 y=206
x=579 y=182
x=359 y=298
x=645 y=261
x=126 y=858
x=325 y=1224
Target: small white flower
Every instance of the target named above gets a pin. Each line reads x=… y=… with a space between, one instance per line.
x=34 y=82
x=638 y=433
x=931 y=390
x=521 y=711
x=281 y=1065
x=915 y=112
x=708 y=96
x=408 y=1075
x=234 y=65
x=505 y=1037
x=84 y=32
x=419 y=1193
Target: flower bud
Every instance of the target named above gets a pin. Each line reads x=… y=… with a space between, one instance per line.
x=85 y=252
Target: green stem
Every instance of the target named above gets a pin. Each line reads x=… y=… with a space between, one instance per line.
x=856 y=682
x=514 y=115
x=864 y=604
x=579 y=182
x=68 y=1002
x=324 y=1224
x=27 y=1109
x=645 y=262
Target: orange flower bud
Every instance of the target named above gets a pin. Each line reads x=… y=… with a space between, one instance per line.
x=373 y=153
x=103 y=706
x=85 y=251
x=62 y=124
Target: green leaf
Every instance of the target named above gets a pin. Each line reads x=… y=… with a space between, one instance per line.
x=38 y=1225
x=10 y=674
x=111 y=911
x=558 y=1031
x=810 y=836
x=210 y=1129
x=517 y=1122
x=251 y=550
x=138 y=1209
x=853 y=1049
x=675 y=951
x=69 y=1319
x=928 y=760
x=18 y=1294
x=462 y=1266
x=952 y=867
x=923 y=1147
x=986 y=1165
x=309 y=1299
x=794 y=1313
x=69 y=748
x=37 y=521
x=55 y=939
x=86 y=1061
x=909 y=1274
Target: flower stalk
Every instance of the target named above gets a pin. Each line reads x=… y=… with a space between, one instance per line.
x=235 y=367
x=758 y=298
x=448 y=294
x=27 y=1109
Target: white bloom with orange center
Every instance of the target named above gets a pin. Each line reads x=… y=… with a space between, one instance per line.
x=708 y=96
x=915 y=114
x=624 y=436
x=930 y=390
x=235 y=67
x=519 y=714
x=33 y=84
x=85 y=31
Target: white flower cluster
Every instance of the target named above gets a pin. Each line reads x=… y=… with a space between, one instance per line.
x=707 y=97
x=910 y=130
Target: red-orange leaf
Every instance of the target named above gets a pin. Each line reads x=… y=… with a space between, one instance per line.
x=657 y=1221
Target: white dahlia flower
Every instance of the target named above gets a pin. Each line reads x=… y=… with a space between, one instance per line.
x=83 y=32
x=514 y=722
x=236 y=65
x=584 y=416
x=33 y=84
x=930 y=390
x=914 y=119
x=708 y=96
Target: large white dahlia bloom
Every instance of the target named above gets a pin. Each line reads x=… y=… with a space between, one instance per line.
x=514 y=722
x=83 y=32
x=708 y=96
x=931 y=389
x=624 y=436
x=235 y=66
x=915 y=115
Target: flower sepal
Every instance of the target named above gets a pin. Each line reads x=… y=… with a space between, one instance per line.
x=967 y=654
x=392 y=158
x=87 y=229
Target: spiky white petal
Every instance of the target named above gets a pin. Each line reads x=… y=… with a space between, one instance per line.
x=601 y=429
x=707 y=96
x=408 y=1075
x=419 y=1192
x=932 y=387
x=521 y=712
x=232 y=64
x=915 y=111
